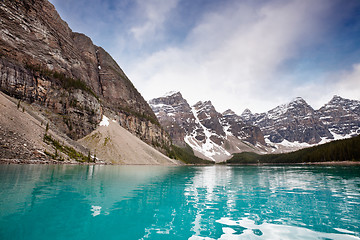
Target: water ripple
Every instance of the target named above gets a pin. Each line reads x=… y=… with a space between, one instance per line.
x=148 y=202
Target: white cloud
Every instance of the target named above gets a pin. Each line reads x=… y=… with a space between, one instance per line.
x=154 y=13
x=345 y=83
x=349 y=83
x=232 y=56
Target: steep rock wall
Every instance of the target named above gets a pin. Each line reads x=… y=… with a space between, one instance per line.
x=44 y=62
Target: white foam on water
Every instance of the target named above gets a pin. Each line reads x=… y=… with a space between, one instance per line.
x=96 y=210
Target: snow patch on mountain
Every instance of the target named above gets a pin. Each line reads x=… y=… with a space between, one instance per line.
x=226 y=129
x=208 y=148
x=294 y=144
x=335 y=137
x=104 y=121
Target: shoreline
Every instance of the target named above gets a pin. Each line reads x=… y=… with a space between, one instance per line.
x=48 y=162
x=53 y=162
x=332 y=163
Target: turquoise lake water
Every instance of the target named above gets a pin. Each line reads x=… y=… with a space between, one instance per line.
x=157 y=202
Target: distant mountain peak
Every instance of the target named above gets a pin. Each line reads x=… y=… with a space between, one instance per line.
x=337 y=102
x=202 y=104
x=341 y=116
x=338 y=99
x=246 y=112
x=171 y=94
x=297 y=100
x=228 y=112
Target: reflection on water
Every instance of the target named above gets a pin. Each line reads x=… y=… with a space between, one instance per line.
x=274 y=231
x=152 y=202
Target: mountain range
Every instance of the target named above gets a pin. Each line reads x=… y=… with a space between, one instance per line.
x=288 y=127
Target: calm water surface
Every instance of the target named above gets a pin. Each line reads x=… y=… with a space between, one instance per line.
x=151 y=202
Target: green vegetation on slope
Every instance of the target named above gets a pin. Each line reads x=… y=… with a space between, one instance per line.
x=341 y=150
x=143 y=115
x=69 y=151
x=61 y=79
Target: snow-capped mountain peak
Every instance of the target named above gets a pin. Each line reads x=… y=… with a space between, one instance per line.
x=298 y=100
x=246 y=112
x=247 y=115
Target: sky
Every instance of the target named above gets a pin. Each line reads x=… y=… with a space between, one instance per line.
x=239 y=54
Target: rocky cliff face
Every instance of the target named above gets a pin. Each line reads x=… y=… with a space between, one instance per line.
x=209 y=119
x=341 y=116
x=234 y=125
x=44 y=62
x=76 y=111
x=296 y=121
x=175 y=115
x=210 y=134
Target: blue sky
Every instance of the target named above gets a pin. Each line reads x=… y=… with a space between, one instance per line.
x=239 y=54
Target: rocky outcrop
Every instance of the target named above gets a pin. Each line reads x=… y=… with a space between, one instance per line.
x=234 y=125
x=75 y=111
x=44 y=62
